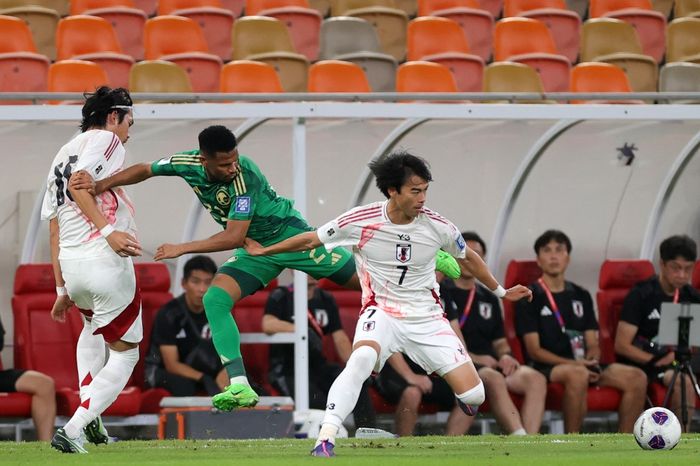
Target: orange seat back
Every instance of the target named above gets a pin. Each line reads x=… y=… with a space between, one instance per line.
x=432 y=35
x=515 y=7
x=337 y=76
x=249 y=76
x=598 y=8
x=166 y=7
x=599 y=77
x=424 y=76
x=164 y=35
x=76 y=76
x=427 y=7
x=81 y=34
x=517 y=36
x=16 y=35
x=254 y=7
x=78 y=7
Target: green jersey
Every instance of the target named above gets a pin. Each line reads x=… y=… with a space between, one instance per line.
x=248 y=197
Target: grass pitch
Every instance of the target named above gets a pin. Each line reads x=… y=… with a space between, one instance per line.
x=541 y=450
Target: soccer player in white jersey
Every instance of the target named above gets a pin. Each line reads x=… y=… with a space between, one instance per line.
x=394 y=243
x=92 y=241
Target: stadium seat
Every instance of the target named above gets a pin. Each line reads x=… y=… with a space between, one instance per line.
x=683 y=40
x=680 y=77
x=158 y=76
x=38 y=338
x=476 y=22
x=614 y=41
x=42 y=22
x=518 y=272
x=686 y=8
x=75 y=76
x=15 y=404
x=665 y=7
x=216 y=22
x=424 y=76
x=599 y=77
x=322 y=6
x=83 y=37
x=695 y=280
x=565 y=25
x=530 y=42
x=266 y=39
x=355 y=40
x=190 y=51
x=147 y=6
x=388 y=20
x=127 y=20
x=649 y=23
x=616 y=278
x=21 y=68
x=512 y=77
x=243 y=76
x=337 y=76
x=234 y=6
x=302 y=21
x=578 y=6
x=441 y=40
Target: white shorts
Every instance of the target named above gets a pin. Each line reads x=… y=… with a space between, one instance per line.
x=104 y=288
x=430 y=342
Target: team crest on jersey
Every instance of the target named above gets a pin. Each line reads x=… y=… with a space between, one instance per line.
x=403 y=252
x=222 y=196
x=243 y=205
x=578 y=308
x=485 y=310
x=321 y=316
x=368 y=326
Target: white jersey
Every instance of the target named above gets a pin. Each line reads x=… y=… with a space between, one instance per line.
x=395 y=263
x=101 y=154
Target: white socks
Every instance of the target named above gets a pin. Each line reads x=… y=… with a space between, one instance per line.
x=242 y=379
x=90 y=356
x=474 y=396
x=344 y=392
x=103 y=389
x=520 y=431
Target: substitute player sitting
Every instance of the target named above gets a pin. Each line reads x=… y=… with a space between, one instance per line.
x=394 y=244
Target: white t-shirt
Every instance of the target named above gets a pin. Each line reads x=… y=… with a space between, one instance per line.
x=101 y=154
x=395 y=263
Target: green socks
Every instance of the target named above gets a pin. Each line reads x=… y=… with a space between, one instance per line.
x=224 y=331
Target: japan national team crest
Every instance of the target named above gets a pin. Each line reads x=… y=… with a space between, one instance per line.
x=578 y=308
x=485 y=310
x=403 y=252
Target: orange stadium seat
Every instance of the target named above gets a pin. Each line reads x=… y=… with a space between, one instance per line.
x=599 y=77
x=249 y=76
x=476 y=22
x=215 y=20
x=424 y=76
x=616 y=42
x=190 y=51
x=683 y=40
x=42 y=22
x=83 y=37
x=147 y=6
x=21 y=68
x=127 y=21
x=565 y=25
x=234 y=6
x=266 y=39
x=441 y=40
x=337 y=76
x=649 y=23
x=76 y=76
x=529 y=41
x=302 y=21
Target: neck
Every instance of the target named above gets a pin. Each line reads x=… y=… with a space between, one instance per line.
x=193 y=307
x=666 y=286
x=396 y=215
x=555 y=283
x=465 y=283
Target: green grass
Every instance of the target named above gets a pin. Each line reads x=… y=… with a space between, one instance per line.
x=559 y=450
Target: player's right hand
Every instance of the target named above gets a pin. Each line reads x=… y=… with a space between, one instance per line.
x=60 y=308
x=666 y=360
x=252 y=247
x=423 y=382
x=124 y=244
x=518 y=292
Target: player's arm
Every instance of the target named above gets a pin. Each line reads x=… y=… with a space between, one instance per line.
x=342 y=344
x=625 y=347
x=230 y=238
x=399 y=364
x=592 y=344
x=301 y=242
x=172 y=363
x=63 y=302
x=539 y=354
x=132 y=175
x=476 y=265
x=272 y=324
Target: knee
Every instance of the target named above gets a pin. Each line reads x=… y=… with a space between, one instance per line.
x=533 y=379
x=216 y=301
x=473 y=396
x=411 y=396
x=576 y=378
x=362 y=360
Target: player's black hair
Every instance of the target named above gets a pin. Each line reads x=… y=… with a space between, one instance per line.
x=677 y=246
x=394 y=170
x=203 y=263
x=548 y=236
x=215 y=139
x=474 y=236
x=101 y=103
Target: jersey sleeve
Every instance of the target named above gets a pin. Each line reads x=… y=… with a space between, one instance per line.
x=49 y=205
x=631 y=307
x=100 y=154
x=454 y=243
x=164 y=167
x=335 y=233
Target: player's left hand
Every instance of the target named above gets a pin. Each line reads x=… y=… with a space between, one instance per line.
x=60 y=308
x=82 y=180
x=252 y=247
x=508 y=364
x=168 y=251
x=518 y=292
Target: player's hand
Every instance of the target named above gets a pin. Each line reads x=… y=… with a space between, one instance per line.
x=60 y=308
x=124 y=244
x=423 y=382
x=485 y=360
x=252 y=247
x=168 y=251
x=518 y=292
x=666 y=360
x=508 y=364
x=82 y=180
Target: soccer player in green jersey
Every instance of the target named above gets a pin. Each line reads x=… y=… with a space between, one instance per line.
x=240 y=199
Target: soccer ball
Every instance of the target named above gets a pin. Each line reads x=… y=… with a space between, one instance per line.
x=657 y=429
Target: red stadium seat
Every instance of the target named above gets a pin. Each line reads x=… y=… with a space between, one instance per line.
x=695 y=281
x=522 y=273
x=15 y=404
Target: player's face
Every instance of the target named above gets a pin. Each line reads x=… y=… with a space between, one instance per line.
x=195 y=286
x=120 y=128
x=411 y=198
x=223 y=166
x=677 y=272
x=553 y=258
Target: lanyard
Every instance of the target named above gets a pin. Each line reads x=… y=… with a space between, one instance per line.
x=467 y=307
x=314 y=324
x=553 y=304
x=676 y=295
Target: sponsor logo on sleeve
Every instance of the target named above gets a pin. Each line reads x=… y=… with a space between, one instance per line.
x=98 y=169
x=242 y=205
x=330 y=231
x=460 y=243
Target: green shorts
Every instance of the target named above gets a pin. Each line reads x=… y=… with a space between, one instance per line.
x=255 y=272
